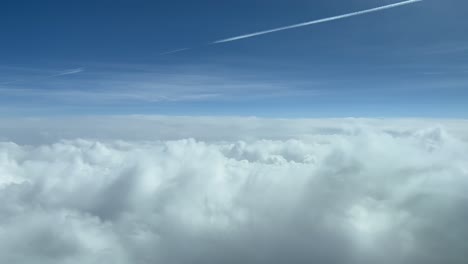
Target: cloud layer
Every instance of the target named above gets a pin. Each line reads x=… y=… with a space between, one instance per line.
x=367 y=195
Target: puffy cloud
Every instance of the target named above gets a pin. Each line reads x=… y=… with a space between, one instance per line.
x=366 y=193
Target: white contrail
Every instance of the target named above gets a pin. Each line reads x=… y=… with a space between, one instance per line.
x=316 y=21
x=173 y=51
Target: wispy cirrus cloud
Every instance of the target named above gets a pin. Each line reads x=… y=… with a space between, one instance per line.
x=144 y=83
x=38 y=78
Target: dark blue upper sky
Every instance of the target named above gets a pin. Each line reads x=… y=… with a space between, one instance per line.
x=102 y=57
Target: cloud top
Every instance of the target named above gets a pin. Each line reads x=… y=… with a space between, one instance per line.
x=369 y=196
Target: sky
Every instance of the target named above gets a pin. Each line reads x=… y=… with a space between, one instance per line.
x=136 y=132
x=107 y=58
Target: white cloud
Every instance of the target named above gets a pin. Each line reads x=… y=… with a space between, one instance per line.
x=317 y=191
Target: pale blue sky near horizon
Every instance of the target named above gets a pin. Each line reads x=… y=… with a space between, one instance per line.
x=103 y=57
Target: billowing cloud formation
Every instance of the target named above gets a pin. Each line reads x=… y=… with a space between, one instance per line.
x=364 y=196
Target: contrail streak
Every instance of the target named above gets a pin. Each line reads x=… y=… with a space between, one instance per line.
x=251 y=35
x=173 y=51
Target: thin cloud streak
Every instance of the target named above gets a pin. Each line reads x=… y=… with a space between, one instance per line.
x=63 y=73
x=251 y=35
x=173 y=51
x=69 y=72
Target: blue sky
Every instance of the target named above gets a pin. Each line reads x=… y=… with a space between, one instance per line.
x=103 y=57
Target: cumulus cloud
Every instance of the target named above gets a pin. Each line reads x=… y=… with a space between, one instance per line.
x=346 y=194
